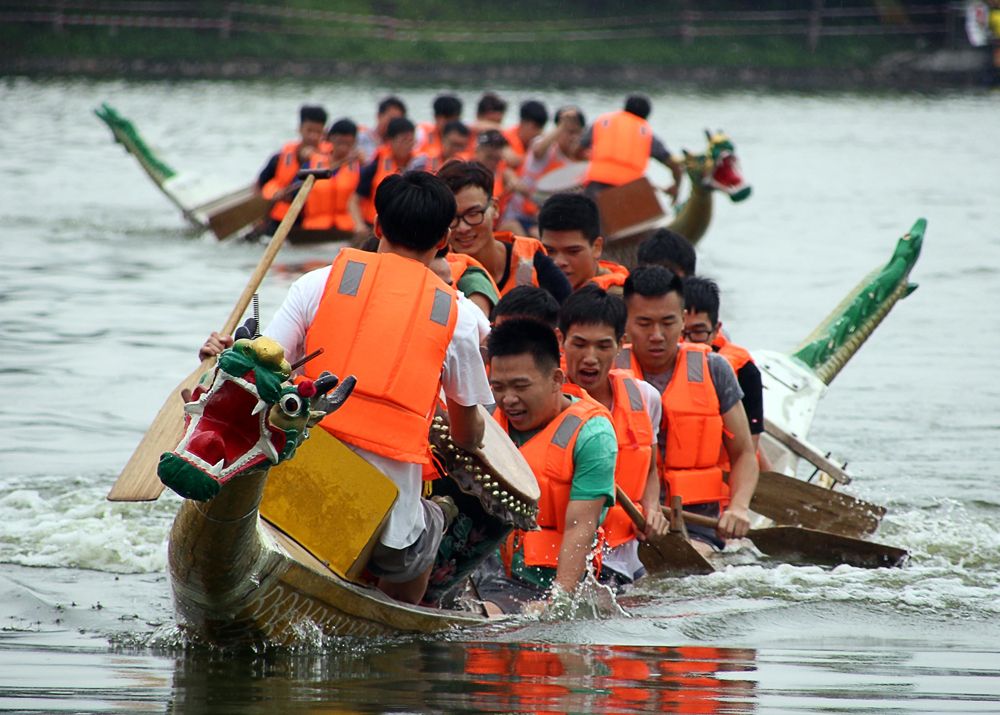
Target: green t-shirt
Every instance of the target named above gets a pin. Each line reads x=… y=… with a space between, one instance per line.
x=594 y=458
x=475 y=280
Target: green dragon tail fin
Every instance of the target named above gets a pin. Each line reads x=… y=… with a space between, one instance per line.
x=844 y=331
x=128 y=136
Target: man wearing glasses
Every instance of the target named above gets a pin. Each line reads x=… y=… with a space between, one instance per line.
x=511 y=260
x=702 y=411
x=702 y=325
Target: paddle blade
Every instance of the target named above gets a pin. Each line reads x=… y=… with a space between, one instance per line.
x=794 y=502
x=793 y=543
x=138 y=480
x=672 y=555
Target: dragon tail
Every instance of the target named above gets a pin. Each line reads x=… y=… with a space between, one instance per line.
x=835 y=340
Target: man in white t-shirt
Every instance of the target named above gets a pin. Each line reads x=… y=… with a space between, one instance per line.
x=406 y=336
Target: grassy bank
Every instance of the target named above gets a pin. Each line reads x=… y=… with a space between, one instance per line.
x=440 y=38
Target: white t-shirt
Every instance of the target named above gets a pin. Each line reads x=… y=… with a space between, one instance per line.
x=625 y=558
x=463 y=379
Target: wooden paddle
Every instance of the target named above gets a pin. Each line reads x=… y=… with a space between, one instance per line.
x=138 y=480
x=795 y=502
x=795 y=543
x=669 y=554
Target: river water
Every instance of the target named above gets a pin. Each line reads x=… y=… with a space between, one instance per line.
x=105 y=296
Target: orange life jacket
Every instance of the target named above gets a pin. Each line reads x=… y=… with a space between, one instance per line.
x=626 y=360
x=326 y=207
x=386 y=166
x=693 y=429
x=635 y=439
x=431 y=143
x=619 y=148
x=388 y=321
x=736 y=355
x=459 y=263
x=550 y=455
x=514 y=140
x=522 y=270
x=530 y=208
x=614 y=276
x=284 y=174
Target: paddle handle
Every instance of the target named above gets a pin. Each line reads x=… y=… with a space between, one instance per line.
x=631 y=509
x=700 y=519
x=284 y=228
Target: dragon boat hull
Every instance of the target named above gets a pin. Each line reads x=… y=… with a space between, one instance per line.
x=237 y=579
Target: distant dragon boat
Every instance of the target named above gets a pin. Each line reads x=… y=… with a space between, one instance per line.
x=629 y=213
x=267 y=548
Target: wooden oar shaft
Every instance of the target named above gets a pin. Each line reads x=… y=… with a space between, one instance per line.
x=700 y=519
x=268 y=258
x=630 y=508
x=807 y=452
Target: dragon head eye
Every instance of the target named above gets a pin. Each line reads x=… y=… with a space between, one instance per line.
x=290 y=404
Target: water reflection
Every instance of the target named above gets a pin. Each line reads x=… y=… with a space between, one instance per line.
x=427 y=676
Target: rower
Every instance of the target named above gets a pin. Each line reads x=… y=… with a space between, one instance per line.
x=369 y=140
x=329 y=207
x=570 y=230
x=454 y=140
x=670 y=250
x=395 y=156
x=702 y=411
x=372 y=313
x=592 y=323
x=548 y=152
x=571 y=447
x=702 y=325
x=447 y=108
x=534 y=116
x=490 y=111
x=621 y=144
x=276 y=181
x=511 y=260
x=528 y=302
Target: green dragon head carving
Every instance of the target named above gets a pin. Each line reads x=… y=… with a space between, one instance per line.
x=245 y=417
x=717 y=169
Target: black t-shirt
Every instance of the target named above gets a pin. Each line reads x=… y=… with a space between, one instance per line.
x=753 y=396
x=549 y=276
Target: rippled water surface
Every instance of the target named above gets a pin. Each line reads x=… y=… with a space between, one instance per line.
x=105 y=295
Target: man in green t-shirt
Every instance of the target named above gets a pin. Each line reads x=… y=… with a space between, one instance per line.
x=571 y=447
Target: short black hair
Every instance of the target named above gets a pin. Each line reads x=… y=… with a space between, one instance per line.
x=447 y=105
x=529 y=302
x=391 y=102
x=534 y=111
x=668 y=249
x=490 y=102
x=397 y=126
x=312 y=113
x=701 y=295
x=458 y=174
x=492 y=138
x=592 y=305
x=652 y=282
x=343 y=126
x=455 y=127
x=571 y=108
x=525 y=337
x=570 y=212
x=415 y=209
x=639 y=105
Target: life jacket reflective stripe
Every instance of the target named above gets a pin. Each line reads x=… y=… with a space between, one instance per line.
x=326 y=207
x=693 y=429
x=626 y=360
x=614 y=276
x=459 y=263
x=388 y=321
x=386 y=166
x=522 y=270
x=284 y=174
x=619 y=148
x=634 y=433
x=550 y=455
